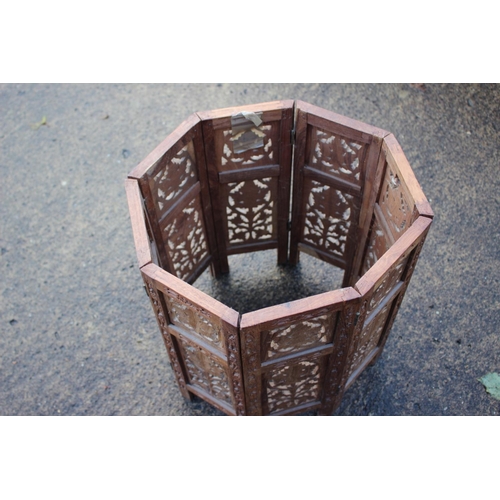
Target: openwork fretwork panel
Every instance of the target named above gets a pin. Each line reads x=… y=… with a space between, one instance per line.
x=294 y=385
x=221 y=184
x=266 y=152
x=186 y=240
x=369 y=338
x=337 y=156
x=205 y=371
x=286 y=359
x=248 y=158
x=251 y=211
x=297 y=336
x=174 y=179
x=328 y=217
x=201 y=336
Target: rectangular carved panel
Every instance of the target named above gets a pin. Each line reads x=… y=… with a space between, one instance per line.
x=335 y=155
x=251 y=211
x=186 y=239
x=202 y=340
x=294 y=385
x=328 y=219
x=287 y=353
x=333 y=158
x=250 y=186
x=174 y=186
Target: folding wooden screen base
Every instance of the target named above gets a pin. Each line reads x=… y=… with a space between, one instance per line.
x=223 y=183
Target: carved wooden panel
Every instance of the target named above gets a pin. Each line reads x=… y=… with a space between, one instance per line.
x=173 y=179
x=188 y=318
x=174 y=186
x=186 y=240
x=293 y=385
x=206 y=371
x=203 y=335
x=250 y=187
x=395 y=206
x=382 y=288
x=391 y=279
x=369 y=337
x=286 y=353
x=328 y=218
x=336 y=155
x=267 y=154
x=333 y=158
x=251 y=211
x=377 y=245
x=296 y=336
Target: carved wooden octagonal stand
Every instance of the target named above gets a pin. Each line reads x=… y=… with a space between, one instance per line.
x=221 y=184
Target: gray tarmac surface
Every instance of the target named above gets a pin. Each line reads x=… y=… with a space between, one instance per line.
x=77 y=332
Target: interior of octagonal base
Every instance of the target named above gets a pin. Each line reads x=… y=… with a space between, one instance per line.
x=289 y=178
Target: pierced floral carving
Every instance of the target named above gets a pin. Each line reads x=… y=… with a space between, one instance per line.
x=369 y=337
x=188 y=317
x=252 y=379
x=233 y=358
x=186 y=240
x=293 y=385
x=394 y=204
x=175 y=178
x=162 y=323
x=377 y=246
x=390 y=281
x=205 y=371
x=229 y=160
x=337 y=155
x=250 y=210
x=328 y=215
x=297 y=336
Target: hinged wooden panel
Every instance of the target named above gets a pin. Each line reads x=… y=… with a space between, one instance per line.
x=289 y=351
x=201 y=336
x=174 y=186
x=382 y=289
x=250 y=189
x=336 y=158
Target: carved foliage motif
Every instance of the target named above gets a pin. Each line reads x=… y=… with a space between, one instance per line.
x=394 y=204
x=293 y=385
x=297 y=336
x=253 y=158
x=179 y=174
x=205 y=371
x=189 y=318
x=162 y=323
x=327 y=217
x=250 y=210
x=369 y=337
x=252 y=378
x=186 y=240
x=337 y=373
x=233 y=359
x=392 y=277
x=377 y=246
x=337 y=155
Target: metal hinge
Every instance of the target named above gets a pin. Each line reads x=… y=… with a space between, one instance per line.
x=292 y=136
x=289 y=225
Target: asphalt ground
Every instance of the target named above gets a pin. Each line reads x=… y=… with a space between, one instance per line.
x=77 y=332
